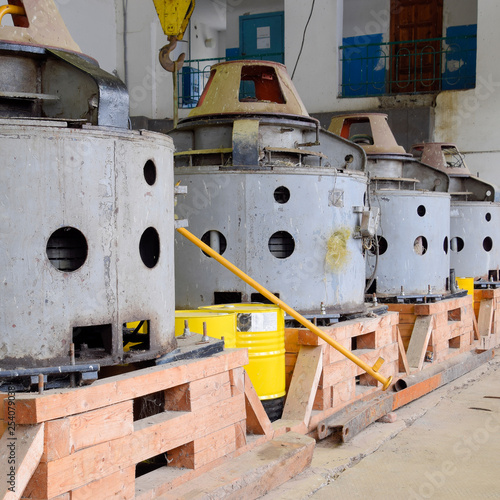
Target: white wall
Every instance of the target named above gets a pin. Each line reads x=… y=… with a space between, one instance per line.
x=470 y=118
x=362 y=17
x=459 y=13
x=317 y=73
x=93 y=26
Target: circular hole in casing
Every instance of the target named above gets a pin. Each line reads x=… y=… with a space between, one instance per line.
x=421 y=210
x=281 y=244
x=150 y=172
x=487 y=244
x=487 y=217
x=445 y=244
x=149 y=247
x=457 y=244
x=382 y=246
x=67 y=249
x=420 y=245
x=215 y=240
x=282 y=194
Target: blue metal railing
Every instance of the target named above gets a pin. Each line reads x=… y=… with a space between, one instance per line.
x=194 y=75
x=410 y=67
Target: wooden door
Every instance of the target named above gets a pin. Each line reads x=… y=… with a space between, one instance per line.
x=416 y=65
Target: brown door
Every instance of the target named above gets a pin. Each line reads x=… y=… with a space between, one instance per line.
x=416 y=65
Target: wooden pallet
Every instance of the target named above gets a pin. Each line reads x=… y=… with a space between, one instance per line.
x=332 y=381
x=435 y=332
x=200 y=413
x=487 y=311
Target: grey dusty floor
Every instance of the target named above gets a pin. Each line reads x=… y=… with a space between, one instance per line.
x=445 y=445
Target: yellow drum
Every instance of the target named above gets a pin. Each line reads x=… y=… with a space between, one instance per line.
x=466 y=284
x=219 y=324
x=132 y=326
x=261 y=328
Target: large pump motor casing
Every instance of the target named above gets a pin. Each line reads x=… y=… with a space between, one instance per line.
x=87 y=243
x=475 y=213
x=275 y=194
x=87 y=211
x=413 y=254
x=282 y=245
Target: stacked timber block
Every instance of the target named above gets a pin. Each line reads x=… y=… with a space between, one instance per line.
x=341 y=381
x=435 y=332
x=487 y=311
x=92 y=438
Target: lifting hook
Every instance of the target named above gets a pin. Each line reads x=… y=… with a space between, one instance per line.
x=164 y=56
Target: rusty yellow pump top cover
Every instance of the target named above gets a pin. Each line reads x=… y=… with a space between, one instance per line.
x=246 y=87
x=39 y=24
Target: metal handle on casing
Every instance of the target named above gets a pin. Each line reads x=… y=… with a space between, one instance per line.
x=386 y=382
x=11 y=9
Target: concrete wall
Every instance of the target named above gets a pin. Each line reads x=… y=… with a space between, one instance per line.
x=459 y=12
x=470 y=118
x=362 y=17
x=317 y=70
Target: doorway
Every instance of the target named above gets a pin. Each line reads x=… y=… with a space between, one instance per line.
x=416 y=55
x=262 y=36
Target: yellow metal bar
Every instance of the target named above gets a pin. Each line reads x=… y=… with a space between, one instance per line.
x=11 y=9
x=190 y=152
x=386 y=382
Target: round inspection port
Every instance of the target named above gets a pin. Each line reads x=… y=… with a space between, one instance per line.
x=67 y=249
x=487 y=217
x=282 y=194
x=150 y=172
x=421 y=210
x=457 y=244
x=216 y=241
x=149 y=247
x=487 y=244
x=381 y=244
x=281 y=244
x=420 y=245
x=445 y=244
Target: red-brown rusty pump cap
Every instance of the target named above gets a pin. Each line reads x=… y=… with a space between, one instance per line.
x=249 y=87
x=442 y=155
x=376 y=137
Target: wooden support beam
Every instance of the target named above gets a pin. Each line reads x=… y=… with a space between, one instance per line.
x=402 y=355
x=441 y=306
x=20 y=452
x=152 y=436
x=304 y=384
x=257 y=420
x=419 y=341
x=485 y=317
x=31 y=408
x=121 y=485
x=475 y=329
x=67 y=435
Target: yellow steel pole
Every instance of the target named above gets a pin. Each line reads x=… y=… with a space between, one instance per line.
x=386 y=382
x=11 y=9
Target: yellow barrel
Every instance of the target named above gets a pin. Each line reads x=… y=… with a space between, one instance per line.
x=467 y=284
x=133 y=326
x=261 y=328
x=219 y=324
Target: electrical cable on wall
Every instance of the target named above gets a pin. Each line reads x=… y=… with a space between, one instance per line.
x=125 y=48
x=303 y=38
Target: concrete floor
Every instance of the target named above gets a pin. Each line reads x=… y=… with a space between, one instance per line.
x=442 y=446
